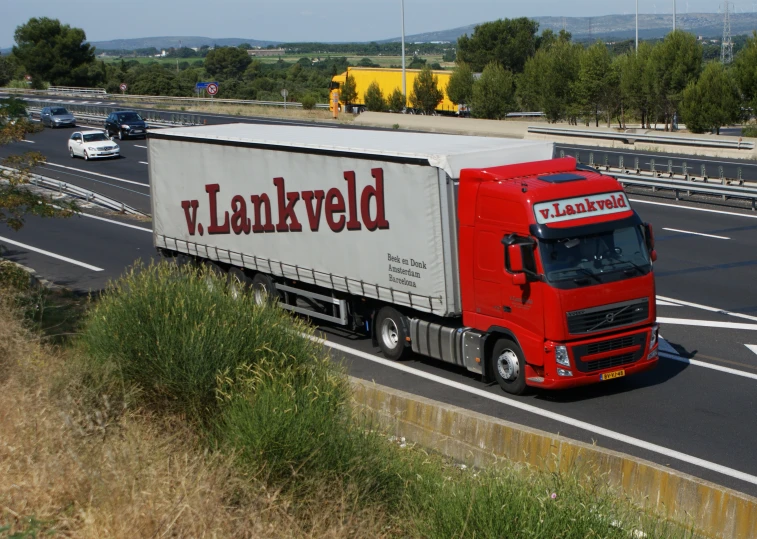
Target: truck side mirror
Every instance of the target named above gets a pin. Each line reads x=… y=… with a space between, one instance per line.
x=653 y=255
x=515 y=258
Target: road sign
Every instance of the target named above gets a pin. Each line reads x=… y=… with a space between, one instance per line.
x=123 y=86
x=284 y=93
x=28 y=77
x=212 y=88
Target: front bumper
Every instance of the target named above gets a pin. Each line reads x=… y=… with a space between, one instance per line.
x=97 y=155
x=591 y=359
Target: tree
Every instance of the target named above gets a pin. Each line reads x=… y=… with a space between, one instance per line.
x=460 y=86
x=509 y=42
x=746 y=71
x=53 y=52
x=548 y=83
x=396 y=101
x=426 y=94
x=636 y=82
x=8 y=68
x=493 y=93
x=711 y=102
x=16 y=200
x=227 y=63
x=594 y=79
x=244 y=46
x=348 y=93
x=374 y=98
x=674 y=63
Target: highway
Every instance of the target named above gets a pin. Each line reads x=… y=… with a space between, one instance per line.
x=691 y=414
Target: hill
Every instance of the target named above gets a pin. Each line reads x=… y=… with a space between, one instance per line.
x=166 y=42
x=617 y=26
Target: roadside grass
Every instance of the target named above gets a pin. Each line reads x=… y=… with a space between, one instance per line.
x=255 y=387
x=78 y=460
x=314 y=115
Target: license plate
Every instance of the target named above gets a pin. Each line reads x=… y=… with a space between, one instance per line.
x=611 y=375
x=138 y=131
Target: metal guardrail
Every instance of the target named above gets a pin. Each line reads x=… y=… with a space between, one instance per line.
x=164 y=98
x=631 y=138
x=73 y=90
x=96 y=113
x=78 y=192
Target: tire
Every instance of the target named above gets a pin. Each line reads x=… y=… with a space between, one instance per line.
x=263 y=289
x=86 y=155
x=391 y=329
x=239 y=281
x=508 y=365
x=120 y=134
x=71 y=153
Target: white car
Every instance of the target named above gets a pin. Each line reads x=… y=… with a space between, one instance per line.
x=92 y=145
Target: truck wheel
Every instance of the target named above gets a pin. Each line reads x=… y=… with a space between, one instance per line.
x=239 y=281
x=263 y=289
x=507 y=362
x=391 y=333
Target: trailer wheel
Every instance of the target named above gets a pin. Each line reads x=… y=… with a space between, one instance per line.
x=508 y=364
x=239 y=281
x=263 y=289
x=391 y=333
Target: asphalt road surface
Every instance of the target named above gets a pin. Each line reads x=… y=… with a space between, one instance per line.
x=694 y=413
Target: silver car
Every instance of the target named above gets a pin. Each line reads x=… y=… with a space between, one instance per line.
x=57 y=117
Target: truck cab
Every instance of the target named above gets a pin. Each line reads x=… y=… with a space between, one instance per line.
x=555 y=264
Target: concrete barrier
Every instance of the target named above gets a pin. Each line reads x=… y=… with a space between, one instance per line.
x=480 y=440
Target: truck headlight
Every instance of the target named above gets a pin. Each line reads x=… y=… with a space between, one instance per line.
x=655 y=334
x=561 y=356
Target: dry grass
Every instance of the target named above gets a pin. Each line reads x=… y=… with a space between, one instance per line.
x=96 y=471
x=315 y=115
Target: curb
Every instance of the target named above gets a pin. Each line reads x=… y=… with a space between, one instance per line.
x=480 y=440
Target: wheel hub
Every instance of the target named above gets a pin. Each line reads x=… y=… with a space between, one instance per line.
x=389 y=333
x=508 y=365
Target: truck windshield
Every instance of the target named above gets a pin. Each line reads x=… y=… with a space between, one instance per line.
x=599 y=258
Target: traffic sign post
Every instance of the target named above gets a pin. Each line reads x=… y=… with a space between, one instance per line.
x=28 y=79
x=284 y=94
x=123 y=87
x=212 y=89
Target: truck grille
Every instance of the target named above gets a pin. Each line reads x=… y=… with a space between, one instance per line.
x=609 y=346
x=608 y=316
x=581 y=351
x=609 y=362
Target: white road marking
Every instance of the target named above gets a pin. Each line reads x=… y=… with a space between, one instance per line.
x=696 y=233
x=144 y=163
x=668 y=352
x=97 y=174
x=127 y=225
x=706 y=323
x=692 y=208
x=661 y=303
x=29 y=141
x=752 y=347
x=48 y=253
x=583 y=425
x=138 y=146
x=706 y=308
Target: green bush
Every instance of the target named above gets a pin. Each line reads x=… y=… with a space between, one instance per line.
x=308 y=102
x=749 y=131
x=172 y=331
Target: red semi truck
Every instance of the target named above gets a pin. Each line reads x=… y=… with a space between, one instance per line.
x=481 y=252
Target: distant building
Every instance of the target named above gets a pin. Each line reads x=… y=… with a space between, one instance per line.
x=266 y=52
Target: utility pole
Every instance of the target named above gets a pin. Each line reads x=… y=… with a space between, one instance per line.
x=637 y=25
x=404 y=82
x=674 y=15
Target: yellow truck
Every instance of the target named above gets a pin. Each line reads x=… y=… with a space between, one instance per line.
x=387 y=79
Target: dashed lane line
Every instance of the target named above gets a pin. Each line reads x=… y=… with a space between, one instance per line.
x=48 y=253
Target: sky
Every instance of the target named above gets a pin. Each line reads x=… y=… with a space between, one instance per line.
x=298 y=20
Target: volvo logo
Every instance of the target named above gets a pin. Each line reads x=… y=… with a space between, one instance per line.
x=609 y=318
